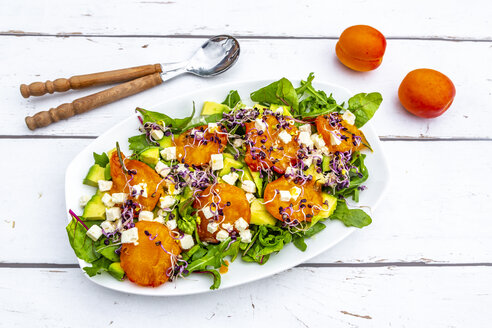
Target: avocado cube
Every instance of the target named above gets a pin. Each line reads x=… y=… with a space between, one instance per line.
x=95 y=174
x=95 y=209
x=259 y=213
x=116 y=270
x=327 y=209
x=166 y=141
x=228 y=164
x=150 y=156
x=210 y=108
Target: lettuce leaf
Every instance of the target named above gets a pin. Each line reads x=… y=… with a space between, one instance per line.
x=280 y=92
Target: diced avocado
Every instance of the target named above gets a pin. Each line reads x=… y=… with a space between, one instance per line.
x=166 y=142
x=327 y=209
x=259 y=213
x=95 y=174
x=273 y=108
x=110 y=153
x=255 y=177
x=95 y=209
x=317 y=177
x=326 y=164
x=210 y=108
x=107 y=172
x=150 y=156
x=228 y=164
x=116 y=270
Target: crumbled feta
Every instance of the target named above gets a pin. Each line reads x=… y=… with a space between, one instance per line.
x=119 y=197
x=108 y=226
x=181 y=168
x=159 y=219
x=212 y=127
x=231 y=178
x=167 y=202
x=284 y=195
x=171 y=224
x=113 y=213
x=162 y=169
x=156 y=134
x=217 y=161
x=245 y=236
x=318 y=141
x=295 y=192
x=146 y=216
x=139 y=190
x=107 y=200
x=238 y=143
x=199 y=135
x=285 y=137
x=279 y=110
x=207 y=212
x=83 y=200
x=94 y=232
x=335 y=138
x=241 y=224
x=212 y=227
x=250 y=197
x=307 y=161
x=169 y=153
x=260 y=125
x=349 y=117
x=187 y=241
x=118 y=225
x=305 y=140
x=130 y=236
x=227 y=226
x=290 y=171
x=222 y=235
x=248 y=186
x=105 y=185
x=305 y=128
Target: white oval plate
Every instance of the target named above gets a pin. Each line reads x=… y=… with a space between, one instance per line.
x=239 y=272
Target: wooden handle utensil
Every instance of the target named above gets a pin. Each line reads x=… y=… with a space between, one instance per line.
x=88 y=80
x=87 y=103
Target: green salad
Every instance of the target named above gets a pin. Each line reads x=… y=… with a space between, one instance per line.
x=238 y=181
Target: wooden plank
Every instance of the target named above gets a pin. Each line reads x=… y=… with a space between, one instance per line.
x=468 y=117
x=301 y=297
x=437 y=208
x=315 y=18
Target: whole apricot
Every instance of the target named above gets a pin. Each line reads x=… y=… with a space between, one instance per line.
x=361 y=48
x=426 y=93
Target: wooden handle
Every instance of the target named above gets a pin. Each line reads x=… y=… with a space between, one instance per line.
x=87 y=103
x=88 y=80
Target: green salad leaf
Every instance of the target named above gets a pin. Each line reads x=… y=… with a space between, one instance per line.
x=350 y=217
x=139 y=143
x=101 y=160
x=101 y=264
x=176 y=124
x=108 y=251
x=316 y=102
x=363 y=106
x=281 y=92
x=82 y=245
x=232 y=99
x=267 y=239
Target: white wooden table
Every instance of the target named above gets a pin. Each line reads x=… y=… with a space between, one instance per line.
x=426 y=261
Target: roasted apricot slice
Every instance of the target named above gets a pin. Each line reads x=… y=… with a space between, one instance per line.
x=197 y=145
x=265 y=149
x=149 y=263
x=338 y=134
x=144 y=174
x=305 y=202
x=227 y=203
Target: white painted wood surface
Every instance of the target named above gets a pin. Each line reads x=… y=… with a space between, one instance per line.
x=434 y=227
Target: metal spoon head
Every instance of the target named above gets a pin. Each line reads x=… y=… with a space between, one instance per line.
x=215 y=56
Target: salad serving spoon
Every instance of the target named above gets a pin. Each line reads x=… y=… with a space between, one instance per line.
x=215 y=56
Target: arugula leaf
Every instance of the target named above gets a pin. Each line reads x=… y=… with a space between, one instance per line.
x=216 y=276
x=350 y=217
x=101 y=160
x=176 y=124
x=139 y=143
x=82 y=245
x=101 y=264
x=232 y=99
x=186 y=224
x=267 y=240
x=299 y=237
x=363 y=106
x=280 y=92
x=305 y=84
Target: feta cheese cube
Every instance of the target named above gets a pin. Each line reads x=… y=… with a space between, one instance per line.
x=181 y=168
x=207 y=212
x=318 y=141
x=169 y=153
x=162 y=169
x=227 y=226
x=119 y=197
x=349 y=117
x=146 y=216
x=108 y=226
x=305 y=140
x=238 y=143
x=279 y=110
x=305 y=128
x=113 y=213
x=285 y=137
x=139 y=190
x=307 y=161
x=107 y=200
x=212 y=227
x=83 y=200
x=94 y=232
x=295 y=192
x=335 y=138
x=171 y=224
x=159 y=219
x=217 y=162
x=250 y=197
x=105 y=185
x=118 y=225
x=260 y=125
x=156 y=134
x=284 y=195
x=245 y=236
x=231 y=178
x=212 y=127
x=130 y=236
x=248 y=186
x=222 y=235
x=167 y=202
x=241 y=224
x=290 y=171
x=187 y=241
